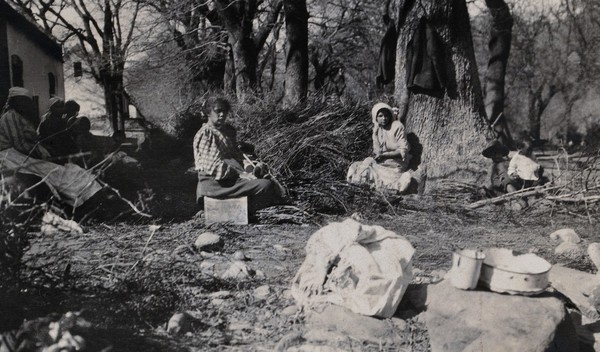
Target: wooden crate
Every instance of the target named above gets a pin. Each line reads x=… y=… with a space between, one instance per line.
x=233 y=211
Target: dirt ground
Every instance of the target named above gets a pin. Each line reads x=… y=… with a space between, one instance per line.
x=128 y=277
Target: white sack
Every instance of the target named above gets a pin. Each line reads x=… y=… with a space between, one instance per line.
x=369 y=268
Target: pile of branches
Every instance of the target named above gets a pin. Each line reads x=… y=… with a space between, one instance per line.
x=310 y=148
x=315 y=140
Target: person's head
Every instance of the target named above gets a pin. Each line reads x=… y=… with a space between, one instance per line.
x=217 y=109
x=20 y=100
x=382 y=114
x=496 y=151
x=56 y=106
x=71 y=108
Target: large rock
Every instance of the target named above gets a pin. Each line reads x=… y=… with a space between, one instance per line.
x=577 y=286
x=460 y=320
x=209 y=242
x=336 y=322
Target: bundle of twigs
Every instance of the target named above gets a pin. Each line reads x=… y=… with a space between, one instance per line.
x=310 y=148
x=311 y=141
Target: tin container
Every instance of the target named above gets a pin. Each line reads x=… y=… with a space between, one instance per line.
x=508 y=272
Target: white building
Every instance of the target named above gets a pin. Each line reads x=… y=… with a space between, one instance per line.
x=29 y=58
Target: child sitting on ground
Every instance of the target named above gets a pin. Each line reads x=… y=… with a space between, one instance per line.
x=501 y=179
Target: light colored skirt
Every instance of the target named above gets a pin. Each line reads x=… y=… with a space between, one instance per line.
x=380 y=176
x=69 y=183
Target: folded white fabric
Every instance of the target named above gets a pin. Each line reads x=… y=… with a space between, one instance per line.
x=369 y=268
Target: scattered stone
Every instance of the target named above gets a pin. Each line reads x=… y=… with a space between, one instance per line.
x=217 y=301
x=178 y=324
x=334 y=322
x=240 y=255
x=220 y=294
x=259 y=274
x=287 y=294
x=280 y=248
x=291 y=310
x=566 y=235
x=209 y=242
x=578 y=286
x=594 y=253
x=262 y=292
x=460 y=320
x=569 y=250
x=237 y=270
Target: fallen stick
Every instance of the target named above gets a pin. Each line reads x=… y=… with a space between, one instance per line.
x=517 y=194
x=574 y=200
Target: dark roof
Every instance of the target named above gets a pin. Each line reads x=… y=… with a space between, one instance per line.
x=31 y=29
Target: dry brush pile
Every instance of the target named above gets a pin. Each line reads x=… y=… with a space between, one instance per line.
x=310 y=147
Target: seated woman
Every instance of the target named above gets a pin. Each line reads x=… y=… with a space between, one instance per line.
x=387 y=169
x=21 y=153
x=219 y=162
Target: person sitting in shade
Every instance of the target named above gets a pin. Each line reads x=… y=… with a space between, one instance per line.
x=387 y=168
x=220 y=162
x=54 y=131
x=510 y=172
x=20 y=153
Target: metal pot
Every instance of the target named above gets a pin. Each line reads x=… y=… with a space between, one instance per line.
x=508 y=272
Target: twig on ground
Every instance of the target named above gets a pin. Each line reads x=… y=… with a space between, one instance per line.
x=517 y=194
x=131 y=205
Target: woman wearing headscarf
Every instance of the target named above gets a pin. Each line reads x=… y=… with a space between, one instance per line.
x=387 y=168
x=21 y=153
x=220 y=162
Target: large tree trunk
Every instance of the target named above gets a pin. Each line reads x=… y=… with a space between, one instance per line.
x=245 y=62
x=499 y=48
x=296 y=64
x=450 y=127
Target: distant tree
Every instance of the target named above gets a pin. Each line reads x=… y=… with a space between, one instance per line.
x=240 y=18
x=100 y=33
x=296 y=63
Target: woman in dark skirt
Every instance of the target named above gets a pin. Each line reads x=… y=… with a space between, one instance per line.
x=219 y=162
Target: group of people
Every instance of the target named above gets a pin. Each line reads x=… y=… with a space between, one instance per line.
x=223 y=173
x=41 y=151
x=224 y=169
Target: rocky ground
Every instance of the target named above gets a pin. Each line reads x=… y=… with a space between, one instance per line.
x=129 y=277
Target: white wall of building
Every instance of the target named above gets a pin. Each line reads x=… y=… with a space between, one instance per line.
x=36 y=66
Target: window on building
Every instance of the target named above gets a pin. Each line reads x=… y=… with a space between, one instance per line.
x=52 y=83
x=17 y=71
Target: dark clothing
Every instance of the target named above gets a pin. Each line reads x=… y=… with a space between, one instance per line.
x=55 y=136
x=500 y=179
x=425 y=66
x=261 y=193
x=387 y=56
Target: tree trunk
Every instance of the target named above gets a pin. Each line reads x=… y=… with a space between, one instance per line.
x=499 y=48
x=448 y=129
x=245 y=62
x=113 y=97
x=296 y=64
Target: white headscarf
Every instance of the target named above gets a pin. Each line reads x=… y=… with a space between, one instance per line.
x=378 y=107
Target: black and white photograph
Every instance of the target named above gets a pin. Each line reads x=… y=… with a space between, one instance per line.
x=300 y=175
